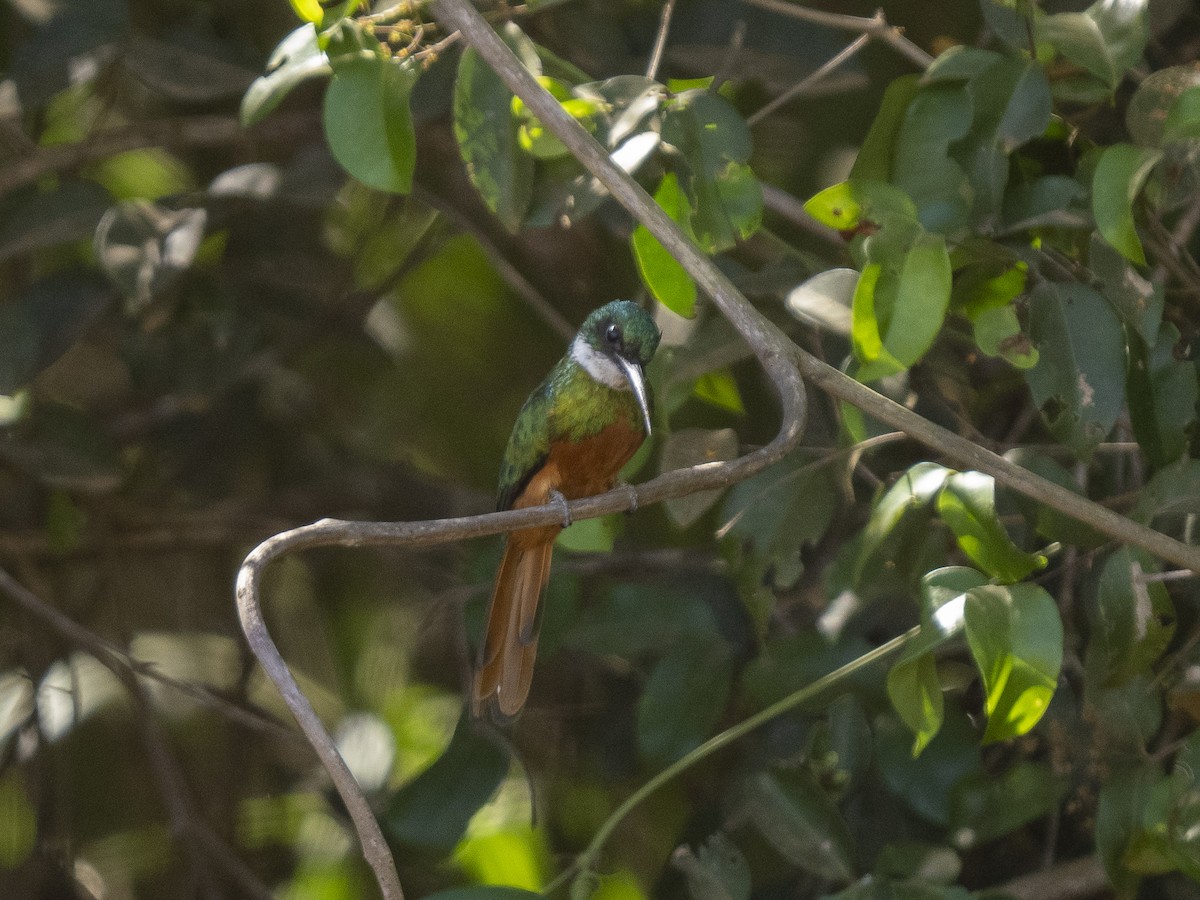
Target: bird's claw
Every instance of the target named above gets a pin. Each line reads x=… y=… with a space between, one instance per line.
x=632 y=494
x=557 y=498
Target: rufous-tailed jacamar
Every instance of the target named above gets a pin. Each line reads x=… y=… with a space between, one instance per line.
x=573 y=435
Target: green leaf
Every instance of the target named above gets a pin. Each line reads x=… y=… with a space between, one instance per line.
x=874 y=160
x=938 y=116
x=589 y=535
x=432 y=810
x=777 y=512
x=796 y=817
x=683 y=699
x=986 y=806
x=714 y=144
x=1118 y=179
x=297 y=58
x=1121 y=821
x=1162 y=396
x=1050 y=523
x=39 y=325
x=1078 y=383
x=487 y=134
x=721 y=390
x=1051 y=200
x=1151 y=117
x=718 y=871
x=308 y=10
x=1120 y=175
x=851 y=204
x=688 y=447
x=1173 y=491
x=926 y=783
x=1133 y=621
x=368 y=123
x=876 y=361
x=998 y=333
x=967 y=503
x=1137 y=300
x=921 y=300
x=913 y=492
x=1016 y=639
x=666 y=278
x=912 y=684
x=1183 y=119
x=1107 y=39
x=916 y=695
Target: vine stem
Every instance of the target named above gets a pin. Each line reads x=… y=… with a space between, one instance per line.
x=588 y=857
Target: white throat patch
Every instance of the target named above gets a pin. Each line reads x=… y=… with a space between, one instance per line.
x=599 y=366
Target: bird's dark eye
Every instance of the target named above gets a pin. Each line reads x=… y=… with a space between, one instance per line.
x=612 y=334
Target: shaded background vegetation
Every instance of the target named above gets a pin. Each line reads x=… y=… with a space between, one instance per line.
x=262 y=341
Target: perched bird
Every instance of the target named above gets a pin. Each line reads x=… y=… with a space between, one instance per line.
x=573 y=435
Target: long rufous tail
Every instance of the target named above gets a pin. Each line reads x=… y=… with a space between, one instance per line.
x=505 y=667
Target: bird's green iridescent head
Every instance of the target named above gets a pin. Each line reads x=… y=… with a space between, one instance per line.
x=622 y=328
x=614 y=344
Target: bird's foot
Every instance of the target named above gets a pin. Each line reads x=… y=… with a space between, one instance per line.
x=557 y=498
x=632 y=494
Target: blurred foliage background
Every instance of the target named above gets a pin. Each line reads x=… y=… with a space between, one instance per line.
x=210 y=333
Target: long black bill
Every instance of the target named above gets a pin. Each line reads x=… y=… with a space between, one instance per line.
x=637 y=384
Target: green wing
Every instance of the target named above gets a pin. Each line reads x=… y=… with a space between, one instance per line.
x=528 y=446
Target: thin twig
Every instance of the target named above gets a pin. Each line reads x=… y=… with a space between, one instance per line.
x=108 y=652
x=736 y=40
x=512 y=276
x=847 y=53
x=876 y=26
x=189 y=131
x=660 y=39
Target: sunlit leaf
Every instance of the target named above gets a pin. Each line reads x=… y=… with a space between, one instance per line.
x=662 y=273
x=967 y=503
x=912 y=683
x=1016 y=639
x=721 y=390
x=1120 y=175
x=368 y=123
